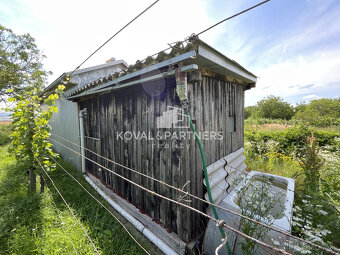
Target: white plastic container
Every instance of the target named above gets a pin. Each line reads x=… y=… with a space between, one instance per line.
x=282 y=213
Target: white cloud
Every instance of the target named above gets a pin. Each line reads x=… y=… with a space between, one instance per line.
x=68 y=31
x=311 y=97
x=297 y=76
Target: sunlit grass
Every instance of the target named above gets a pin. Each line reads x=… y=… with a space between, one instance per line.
x=30 y=224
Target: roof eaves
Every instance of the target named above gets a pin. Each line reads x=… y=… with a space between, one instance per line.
x=195 y=52
x=214 y=55
x=149 y=64
x=54 y=83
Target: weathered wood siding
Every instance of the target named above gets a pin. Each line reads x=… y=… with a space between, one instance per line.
x=174 y=161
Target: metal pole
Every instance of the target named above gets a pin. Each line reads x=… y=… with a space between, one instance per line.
x=82 y=114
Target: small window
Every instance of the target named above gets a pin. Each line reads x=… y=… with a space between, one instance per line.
x=231 y=124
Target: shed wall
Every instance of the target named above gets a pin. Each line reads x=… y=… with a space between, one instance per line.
x=174 y=161
x=65 y=123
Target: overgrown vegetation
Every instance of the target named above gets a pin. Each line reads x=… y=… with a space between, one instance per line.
x=312 y=157
x=257 y=200
x=30 y=224
x=323 y=112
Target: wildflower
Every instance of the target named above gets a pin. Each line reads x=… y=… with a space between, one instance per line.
x=322 y=212
x=297 y=208
x=297 y=248
x=275 y=242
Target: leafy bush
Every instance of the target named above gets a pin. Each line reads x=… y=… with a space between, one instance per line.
x=322 y=112
x=271 y=107
x=290 y=142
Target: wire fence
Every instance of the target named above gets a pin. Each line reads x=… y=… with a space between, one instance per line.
x=68 y=207
x=219 y=223
x=61 y=218
x=101 y=204
x=187 y=194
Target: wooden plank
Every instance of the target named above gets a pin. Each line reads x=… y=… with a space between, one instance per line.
x=117 y=142
x=121 y=185
x=170 y=101
x=141 y=144
x=150 y=154
x=163 y=167
x=130 y=152
x=156 y=170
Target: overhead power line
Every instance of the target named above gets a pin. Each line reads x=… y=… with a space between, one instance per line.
x=231 y=17
x=120 y=30
x=193 y=196
x=207 y=29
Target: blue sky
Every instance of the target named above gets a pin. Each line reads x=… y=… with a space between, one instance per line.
x=292 y=45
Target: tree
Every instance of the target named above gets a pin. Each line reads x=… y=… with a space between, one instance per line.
x=20 y=64
x=31 y=131
x=300 y=107
x=320 y=112
x=273 y=107
x=250 y=111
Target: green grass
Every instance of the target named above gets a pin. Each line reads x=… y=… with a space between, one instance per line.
x=5 y=131
x=30 y=224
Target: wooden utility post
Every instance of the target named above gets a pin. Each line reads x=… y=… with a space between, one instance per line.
x=32 y=175
x=33 y=180
x=42 y=183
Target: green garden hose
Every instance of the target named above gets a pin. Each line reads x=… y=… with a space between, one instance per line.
x=207 y=180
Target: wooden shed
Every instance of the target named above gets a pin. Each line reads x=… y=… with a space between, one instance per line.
x=137 y=119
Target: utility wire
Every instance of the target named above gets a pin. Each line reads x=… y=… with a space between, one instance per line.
x=120 y=30
x=181 y=42
x=207 y=29
x=233 y=16
x=61 y=219
x=69 y=208
x=193 y=196
x=220 y=223
x=108 y=210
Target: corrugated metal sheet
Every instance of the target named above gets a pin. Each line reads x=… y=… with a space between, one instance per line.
x=65 y=123
x=204 y=56
x=223 y=172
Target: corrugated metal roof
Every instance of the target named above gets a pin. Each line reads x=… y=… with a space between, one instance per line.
x=62 y=77
x=178 y=49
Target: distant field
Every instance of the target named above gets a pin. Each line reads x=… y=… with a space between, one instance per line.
x=268 y=127
x=5 y=122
